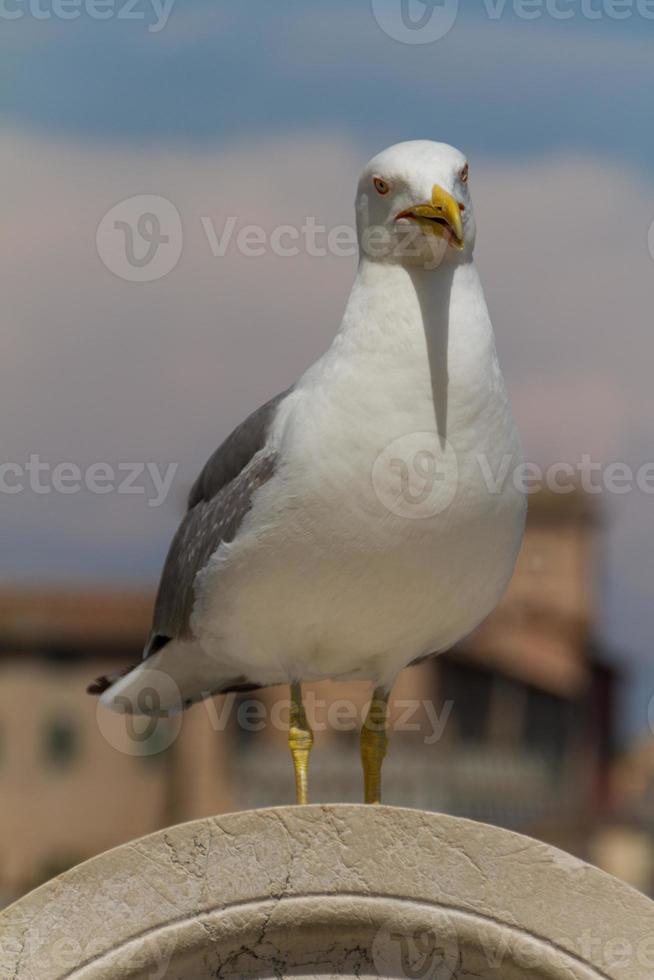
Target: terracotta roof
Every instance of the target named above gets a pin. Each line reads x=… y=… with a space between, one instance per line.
x=71 y=618
x=574 y=507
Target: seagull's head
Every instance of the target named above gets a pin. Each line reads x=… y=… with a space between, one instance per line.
x=413 y=205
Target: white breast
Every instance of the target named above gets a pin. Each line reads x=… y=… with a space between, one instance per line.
x=334 y=574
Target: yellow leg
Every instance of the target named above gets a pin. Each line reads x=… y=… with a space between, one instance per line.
x=300 y=741
x=374 y=742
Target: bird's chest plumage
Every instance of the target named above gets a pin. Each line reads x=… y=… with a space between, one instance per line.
x=390 y=543
x=407 y=443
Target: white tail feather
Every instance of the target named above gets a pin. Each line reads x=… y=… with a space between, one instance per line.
x=167 y=682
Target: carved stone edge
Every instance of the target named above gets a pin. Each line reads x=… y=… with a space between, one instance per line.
x=250 y=885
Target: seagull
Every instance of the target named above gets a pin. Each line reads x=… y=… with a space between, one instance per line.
x=367 y=517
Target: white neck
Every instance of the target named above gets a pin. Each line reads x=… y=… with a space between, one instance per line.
x=385 y=296
x=425 y=332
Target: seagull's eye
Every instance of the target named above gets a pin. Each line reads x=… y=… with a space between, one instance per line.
x=381 y=186
x=465 y=173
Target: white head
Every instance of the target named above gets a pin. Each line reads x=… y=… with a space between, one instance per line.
x=413 y=205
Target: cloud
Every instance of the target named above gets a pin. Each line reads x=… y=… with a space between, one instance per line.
x=573 y=232
x=96 y=368
x=99 y=369
x=215 y=72
x=564 y=256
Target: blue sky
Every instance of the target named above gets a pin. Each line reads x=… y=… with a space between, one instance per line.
x=269 y=110
x=494 y=84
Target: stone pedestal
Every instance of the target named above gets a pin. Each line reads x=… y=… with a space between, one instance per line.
x=330 y=890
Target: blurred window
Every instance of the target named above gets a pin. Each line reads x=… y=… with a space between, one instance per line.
x=470 y=689
x=60 y=743
x=546 y=725
x=247 y=718
x=153 y=749
x=63 y=657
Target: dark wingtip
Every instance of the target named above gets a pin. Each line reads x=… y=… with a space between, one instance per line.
x=157 y=643
x=102 y=684
x=98 y=686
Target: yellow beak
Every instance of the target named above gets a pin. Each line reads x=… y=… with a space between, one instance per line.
x=442 y=217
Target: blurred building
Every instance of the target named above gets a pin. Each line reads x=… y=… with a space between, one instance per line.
x=626 y=842
x=515 y=727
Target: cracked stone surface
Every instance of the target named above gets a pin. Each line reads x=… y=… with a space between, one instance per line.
x=325 y=891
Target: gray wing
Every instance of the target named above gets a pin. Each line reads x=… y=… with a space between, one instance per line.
x=219 y=500
x=234 y=454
